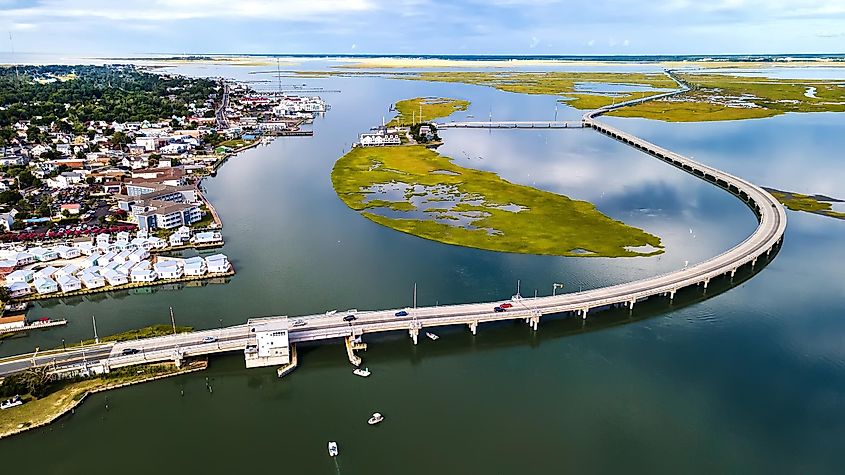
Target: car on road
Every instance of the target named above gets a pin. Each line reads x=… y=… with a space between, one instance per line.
x=209 y=339
x=130 y=351
x=299 y=323
x=506 y=305
x=401 y=313
x=498 y=309
x=350 y=318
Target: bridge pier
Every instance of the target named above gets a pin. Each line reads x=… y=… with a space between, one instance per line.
x=706 y=281
x=351 y=346
x=473 y=327
x=533 y=322
x=672 y=294
x=753 y=261
x=733 y=273
x=584 y=312
x=631 y=304
x=415 y=333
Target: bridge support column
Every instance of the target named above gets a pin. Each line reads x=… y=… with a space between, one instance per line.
x=631 y=304
x=533 y=322
x=672 y=294
x=753 y=261
x=584 y=313
x=351 y=346
x=473 y=327
x=415 y=333
x=706 y=281
x=733 y=273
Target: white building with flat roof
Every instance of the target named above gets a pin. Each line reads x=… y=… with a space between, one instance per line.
x=268 y=343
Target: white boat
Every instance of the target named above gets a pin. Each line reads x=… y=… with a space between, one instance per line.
x=333 y=449
x=375 y=419
x=361 y=372
x=431 y=335
x=11 y=402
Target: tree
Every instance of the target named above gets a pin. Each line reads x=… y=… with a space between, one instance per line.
x=10 y=197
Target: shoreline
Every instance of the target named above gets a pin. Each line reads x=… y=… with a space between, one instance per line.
x=77 y=400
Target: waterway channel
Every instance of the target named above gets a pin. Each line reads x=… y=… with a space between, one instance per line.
x=751 y=380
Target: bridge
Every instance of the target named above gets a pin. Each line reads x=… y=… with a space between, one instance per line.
x=551 y=124
x=766 y=237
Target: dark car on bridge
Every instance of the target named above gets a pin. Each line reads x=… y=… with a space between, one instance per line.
x=130 y=351
x=498 y=309
x=401 y=313
x=349 y=318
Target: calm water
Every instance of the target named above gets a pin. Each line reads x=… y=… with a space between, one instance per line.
x=751 y=380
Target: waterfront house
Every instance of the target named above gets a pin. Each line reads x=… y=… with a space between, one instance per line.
x=157 y=242
x=85 y=247
x=121 y=257
x=46 y=286
x=142 y=275
x=141 y=243
x=45 y=273
x=24 y=258
x=23 y=276
x=207 y=237
x=218 y=264
x=123 y=236
x=115 y=277
x=89 y=261
x=125 y=268
x=195 y=266
x=67 y=252
x=138 y=255
x=68 y=283
x=18 y=289
x=69 y=269
x=106 y=258
x=43 y=254
x=176 y=240
x=92 y=281
x=169 y=270
x=379 y=139
x=6 y=267
x=102 y=238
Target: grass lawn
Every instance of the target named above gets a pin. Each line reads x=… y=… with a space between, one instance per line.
x=431 y=108
x=547 y=223
x=234 y=143
x=146 y=332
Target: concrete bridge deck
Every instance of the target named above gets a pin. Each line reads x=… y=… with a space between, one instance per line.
x=552 y=124
x=766 y=237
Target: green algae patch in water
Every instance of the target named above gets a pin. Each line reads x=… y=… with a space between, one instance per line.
x=420 y=192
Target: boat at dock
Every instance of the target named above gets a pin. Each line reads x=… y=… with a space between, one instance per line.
x=23 y=325
x=16 y=307
x=431 y=335
x=333 y=449
x=361 y=372
x=11 y=402
x=375 y=419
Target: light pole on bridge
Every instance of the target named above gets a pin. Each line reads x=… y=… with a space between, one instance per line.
x=555 y=286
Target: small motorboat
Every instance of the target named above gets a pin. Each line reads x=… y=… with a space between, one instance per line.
x=361 y=372
x=375 y=419
x=333 y=449
x=432 y=336
x=11 y=402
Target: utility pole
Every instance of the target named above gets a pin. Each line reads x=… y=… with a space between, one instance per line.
x=415 y=296
x=96 y=338
x=172 y=320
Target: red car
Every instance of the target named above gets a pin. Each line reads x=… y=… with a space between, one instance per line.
x=506 y=305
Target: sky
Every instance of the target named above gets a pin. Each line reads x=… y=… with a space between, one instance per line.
x=529 y=27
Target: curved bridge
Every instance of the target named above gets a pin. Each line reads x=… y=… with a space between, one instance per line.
x=766 y=237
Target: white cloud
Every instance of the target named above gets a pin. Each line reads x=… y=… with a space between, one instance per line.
x=534 y=42
x=169 y=10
